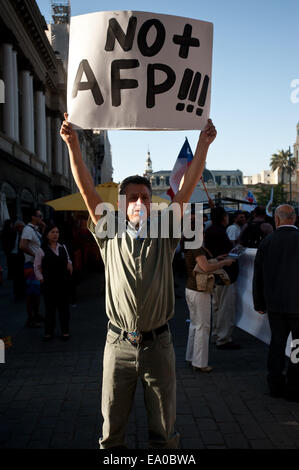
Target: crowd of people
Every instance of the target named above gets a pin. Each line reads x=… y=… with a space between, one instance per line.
x=212 y=306
x=40 y=265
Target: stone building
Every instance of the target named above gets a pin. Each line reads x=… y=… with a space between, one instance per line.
x=34 y=164
x=227 y=182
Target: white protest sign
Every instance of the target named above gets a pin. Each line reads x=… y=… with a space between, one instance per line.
x=137 y=70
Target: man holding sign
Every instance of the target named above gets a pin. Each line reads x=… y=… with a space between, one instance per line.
x=139 y=299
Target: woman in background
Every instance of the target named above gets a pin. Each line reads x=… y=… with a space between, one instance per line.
x=199 y=305
x=53 y=267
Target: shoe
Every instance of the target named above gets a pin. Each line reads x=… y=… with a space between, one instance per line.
x=32 y=324
x=38 y=318
x=230 y=345
x=291 y=396
x=206 y=369
x=47 y=338
x=65 y=337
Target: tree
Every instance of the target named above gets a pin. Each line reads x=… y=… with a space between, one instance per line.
x=280 y=160
x=262 y=193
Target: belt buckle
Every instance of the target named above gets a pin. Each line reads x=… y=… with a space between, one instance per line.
x=135 y=337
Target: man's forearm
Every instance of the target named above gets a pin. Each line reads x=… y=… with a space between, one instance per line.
x=79 y=169
x=28 y=252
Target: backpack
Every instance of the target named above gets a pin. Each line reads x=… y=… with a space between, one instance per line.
x=252 y=235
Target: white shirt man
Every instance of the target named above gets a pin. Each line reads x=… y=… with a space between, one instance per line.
x=31 y=234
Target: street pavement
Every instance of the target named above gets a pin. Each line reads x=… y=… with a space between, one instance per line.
x=50 y=393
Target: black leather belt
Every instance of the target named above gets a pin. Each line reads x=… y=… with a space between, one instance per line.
x=137 y=337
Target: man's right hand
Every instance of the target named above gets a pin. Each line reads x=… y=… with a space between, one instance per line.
x=68 y=135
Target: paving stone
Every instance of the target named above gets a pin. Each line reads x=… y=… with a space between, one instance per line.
x=188 y=430
x=191 y=443
x=261 y=444
x=211 y=437
x=200 y=410
x=229 y=427
x=252 y=431
x=206 y=423
x=236 y=441
x=39 y=444
x=220 y=411
x=185 y=419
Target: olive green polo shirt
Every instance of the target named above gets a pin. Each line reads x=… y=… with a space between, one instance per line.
x=139 y=278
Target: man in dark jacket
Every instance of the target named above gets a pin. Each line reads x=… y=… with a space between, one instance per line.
x=275 y=291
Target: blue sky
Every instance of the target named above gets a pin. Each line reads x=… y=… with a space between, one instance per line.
x=255 y=59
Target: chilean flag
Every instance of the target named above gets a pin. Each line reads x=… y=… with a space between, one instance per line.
x=250 y=198
x=182 y=162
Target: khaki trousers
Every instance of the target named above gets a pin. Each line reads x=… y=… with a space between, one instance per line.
x=154 y=362
x=223 y=312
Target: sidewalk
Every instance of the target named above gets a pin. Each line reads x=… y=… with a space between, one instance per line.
x=50 y=393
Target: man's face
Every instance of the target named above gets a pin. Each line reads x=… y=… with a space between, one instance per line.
x=136 y=196
x=240 y=219
x=225 y=220
x=37 y=218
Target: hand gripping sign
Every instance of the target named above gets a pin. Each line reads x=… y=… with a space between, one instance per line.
x=137 y=70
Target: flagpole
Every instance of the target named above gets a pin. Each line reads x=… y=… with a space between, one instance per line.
x=211 y=203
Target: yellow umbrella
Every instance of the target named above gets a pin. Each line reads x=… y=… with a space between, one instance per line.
x=107 y=191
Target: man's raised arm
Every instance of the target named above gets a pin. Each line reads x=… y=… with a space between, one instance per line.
x=195 y=170
x=80 y=171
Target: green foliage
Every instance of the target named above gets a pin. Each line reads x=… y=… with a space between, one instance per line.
x=284 y=161
x=262 y=194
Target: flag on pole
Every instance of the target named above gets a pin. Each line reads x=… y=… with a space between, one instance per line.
x=250 y=198
x=269 y=205
x=184 y=159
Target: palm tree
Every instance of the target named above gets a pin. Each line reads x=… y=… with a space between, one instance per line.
x=280 y=160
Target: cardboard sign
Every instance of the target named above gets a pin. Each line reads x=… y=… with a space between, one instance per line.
x=137 y=70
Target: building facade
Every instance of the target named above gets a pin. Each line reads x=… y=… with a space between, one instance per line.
x=34 y=164
x=227 y=182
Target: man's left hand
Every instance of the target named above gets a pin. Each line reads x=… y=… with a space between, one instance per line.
x=208 y=134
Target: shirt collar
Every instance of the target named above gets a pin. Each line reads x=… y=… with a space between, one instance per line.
x=131 y=229
x=293 y=226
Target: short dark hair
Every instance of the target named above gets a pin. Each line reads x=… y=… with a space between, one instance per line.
x=260 y=211
x=237 y=213
x=217 y=215
x=136 y=179
x=32 y=212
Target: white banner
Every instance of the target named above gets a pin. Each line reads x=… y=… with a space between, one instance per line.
x=137 y=70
